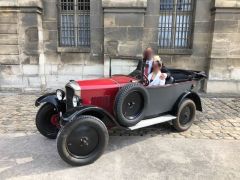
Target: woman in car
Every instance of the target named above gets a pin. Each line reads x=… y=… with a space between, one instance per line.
x=157 y=78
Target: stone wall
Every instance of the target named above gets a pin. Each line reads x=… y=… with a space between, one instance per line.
x=123 y=33
x=30 y=58
x=224 y=72
x=197 y=59
x=20 y=44
x=10 y=70
x=64 y=64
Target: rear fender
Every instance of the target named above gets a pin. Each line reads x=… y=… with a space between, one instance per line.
x=52 y=99
x=97 y=112
x=188 y=95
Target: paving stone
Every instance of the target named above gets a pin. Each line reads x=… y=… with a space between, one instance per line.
x=17 y=114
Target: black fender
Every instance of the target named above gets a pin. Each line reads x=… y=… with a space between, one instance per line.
x=52 y=99
x=190 y=95
x=97 y=112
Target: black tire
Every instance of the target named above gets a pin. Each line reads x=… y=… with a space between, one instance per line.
x=185 y=116
x=43 y=121
x=131 y=104
x=82 y=141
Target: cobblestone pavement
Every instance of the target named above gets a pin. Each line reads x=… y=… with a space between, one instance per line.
x=219 y=120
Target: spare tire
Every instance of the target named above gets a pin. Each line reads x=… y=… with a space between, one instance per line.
x=131 y=104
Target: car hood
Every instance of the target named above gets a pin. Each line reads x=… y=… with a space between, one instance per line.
x=114 y=81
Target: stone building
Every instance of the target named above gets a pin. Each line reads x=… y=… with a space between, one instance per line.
x=45 y=43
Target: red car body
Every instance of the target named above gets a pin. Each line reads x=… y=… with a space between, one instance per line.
x=102 y=92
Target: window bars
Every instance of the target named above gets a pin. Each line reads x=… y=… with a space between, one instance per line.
x=74 y=23
x=176 y=24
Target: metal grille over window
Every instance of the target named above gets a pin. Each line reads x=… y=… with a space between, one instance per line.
x=176 y=24
x=74 y=23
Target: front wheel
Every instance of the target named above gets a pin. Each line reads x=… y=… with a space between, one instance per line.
x=82 y=141
x=186 y=115
x=47 y=121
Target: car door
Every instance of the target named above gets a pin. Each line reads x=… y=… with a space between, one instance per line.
x=163 y=98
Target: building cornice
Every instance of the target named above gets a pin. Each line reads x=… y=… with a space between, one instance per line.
x=21 y=5
x=124 y=3
x=226 y=3
x=124 y=6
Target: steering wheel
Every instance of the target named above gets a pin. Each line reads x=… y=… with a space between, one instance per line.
x=145 y=79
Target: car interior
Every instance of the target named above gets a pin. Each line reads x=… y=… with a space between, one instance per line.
x=174 y=75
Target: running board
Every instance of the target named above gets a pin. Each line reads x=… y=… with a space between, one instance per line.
x=153 y=121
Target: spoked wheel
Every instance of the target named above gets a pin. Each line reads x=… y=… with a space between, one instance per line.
x=131 y=104
x=47 y=121
x=82 y=141
x=186 y=115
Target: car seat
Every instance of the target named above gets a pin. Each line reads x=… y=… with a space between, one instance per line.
x=170 y=80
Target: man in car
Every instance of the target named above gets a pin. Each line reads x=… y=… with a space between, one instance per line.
x=148 y=57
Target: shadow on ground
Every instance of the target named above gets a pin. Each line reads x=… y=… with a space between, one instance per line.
x=23 y=155
x=35 y=157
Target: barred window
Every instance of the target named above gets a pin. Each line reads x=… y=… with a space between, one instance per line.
x=176 y=24
x=74 y=23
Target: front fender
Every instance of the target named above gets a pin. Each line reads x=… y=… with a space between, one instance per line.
x=52 y=99
x=190 y=95
x=98 y=112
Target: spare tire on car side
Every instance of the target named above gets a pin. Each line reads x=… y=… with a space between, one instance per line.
x=131 y=104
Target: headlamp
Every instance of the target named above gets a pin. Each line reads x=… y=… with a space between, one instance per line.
x=75 y=101
x=60 y=94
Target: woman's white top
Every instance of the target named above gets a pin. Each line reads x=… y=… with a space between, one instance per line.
x=156 y=81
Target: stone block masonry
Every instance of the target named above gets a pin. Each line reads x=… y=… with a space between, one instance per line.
x=224 y=72
x=20 y=45
x=123 y=33
x=32 y=59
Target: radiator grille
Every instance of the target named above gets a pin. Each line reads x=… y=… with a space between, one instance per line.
x=69 y=96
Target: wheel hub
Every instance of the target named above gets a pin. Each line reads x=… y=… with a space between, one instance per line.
x=54 y=120
x=185 y=115
x=82 y=141
x=133 y=105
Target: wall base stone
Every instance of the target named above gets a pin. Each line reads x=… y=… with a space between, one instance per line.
x=230 y=87
x=224 y=65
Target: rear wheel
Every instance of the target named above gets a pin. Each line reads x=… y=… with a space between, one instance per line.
x=47 y=121
x=82 y=141
x=186 y=115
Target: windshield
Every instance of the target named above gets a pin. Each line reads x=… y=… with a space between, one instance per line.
x=127 y=67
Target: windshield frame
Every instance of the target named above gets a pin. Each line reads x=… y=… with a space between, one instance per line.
x=136 y=58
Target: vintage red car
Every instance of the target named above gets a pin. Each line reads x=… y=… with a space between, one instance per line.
x=80 y=117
